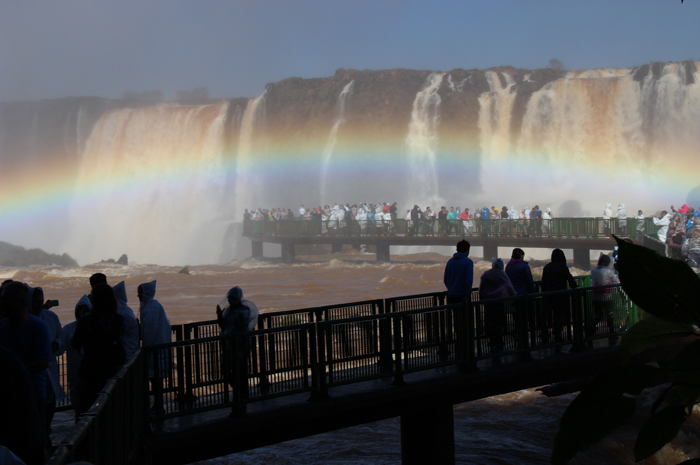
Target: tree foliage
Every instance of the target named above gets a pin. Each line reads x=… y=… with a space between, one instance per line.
x=665 y=289
x=555 y=63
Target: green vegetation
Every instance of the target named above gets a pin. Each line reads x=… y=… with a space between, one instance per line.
x=667 y=290
x=13 y=255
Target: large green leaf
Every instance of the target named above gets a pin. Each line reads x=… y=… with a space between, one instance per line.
x=663 y=287
x=661 y=428
x=686 y=366
x=599 y=409
x=684 y=395
x=650 y=332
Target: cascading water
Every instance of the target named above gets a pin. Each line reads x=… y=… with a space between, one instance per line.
x=333 y=138
x=421 y=144
x=157 y=182
x=150 y=185
x=614 y=131
x=247 y=180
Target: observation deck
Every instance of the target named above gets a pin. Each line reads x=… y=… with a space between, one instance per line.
x=580 y=234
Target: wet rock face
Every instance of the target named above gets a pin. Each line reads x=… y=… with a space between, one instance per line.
x=12 y=255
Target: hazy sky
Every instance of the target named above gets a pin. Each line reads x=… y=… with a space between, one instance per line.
x=69 y=48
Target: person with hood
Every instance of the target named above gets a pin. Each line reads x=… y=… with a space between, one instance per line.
x=486 y=221
x=676 y=235
x=557 y=309
x=519 y=273
x=622 y=219
x=603 y=299
x=459 y=274
x=131 y=334
x=99 y=335
x=495 y=284
x=73 y=356
x=155 y=329
x=239 y=316
x=662 y=222
x=640 y=223
x=465 y=221
x=693 y=221
x=691 y=250
x=546 y=220
x=54 y=390
x=27 y=338
x=607 y=213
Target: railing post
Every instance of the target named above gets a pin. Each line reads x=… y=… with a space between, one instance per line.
x=320 y=391
x=385 y=345
x=398 y=328
x=578 y=310
x=524 y=325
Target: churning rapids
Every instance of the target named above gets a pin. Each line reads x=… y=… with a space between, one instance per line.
x=515 y=428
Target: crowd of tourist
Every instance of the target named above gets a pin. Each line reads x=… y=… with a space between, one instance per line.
x=104 y=335
x=379 y=217
x=676 y=229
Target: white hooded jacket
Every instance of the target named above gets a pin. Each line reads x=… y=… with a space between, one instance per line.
x=131 y=335
x=155 y=327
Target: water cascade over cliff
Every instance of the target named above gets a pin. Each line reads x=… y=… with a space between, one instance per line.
x=97 y=178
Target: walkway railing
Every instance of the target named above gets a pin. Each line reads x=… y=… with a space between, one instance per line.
x=564 y=228
x=113 y=430
x=413 y=333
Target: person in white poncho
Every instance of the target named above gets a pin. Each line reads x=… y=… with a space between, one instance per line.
x=131 y=336
x=239 y=316
x=155 y=329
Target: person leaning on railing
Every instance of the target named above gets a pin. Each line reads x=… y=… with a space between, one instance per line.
x=459 y=275
x=239 y=316
x=556 y=277
x=603 y=299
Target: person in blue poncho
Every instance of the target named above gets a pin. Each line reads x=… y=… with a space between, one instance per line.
x=459 y=274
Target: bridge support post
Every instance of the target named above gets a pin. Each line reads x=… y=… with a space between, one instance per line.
x=383 y=254
x=288 y=252
x=336 y=247
x=428 y=435
x=582 y=258
x=490 y=251
x=257 y=248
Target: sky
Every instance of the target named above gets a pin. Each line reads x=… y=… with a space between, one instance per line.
x=81 y=48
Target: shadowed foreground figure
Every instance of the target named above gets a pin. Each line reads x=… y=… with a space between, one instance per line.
x=556 y=312
x=99 y=334
x=239 y=316
x=495 y=284
x=155 y=329
x=459 y=274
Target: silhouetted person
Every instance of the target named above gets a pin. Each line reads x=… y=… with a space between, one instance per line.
x=519 y=273
x=495 y=284
x=27 y=338
x=73 y=356
x=99 y=335
x=239 y=316
x=131 y=335
x=54 y=390
x=557 y=309
x=459 y=274
x=155 y=329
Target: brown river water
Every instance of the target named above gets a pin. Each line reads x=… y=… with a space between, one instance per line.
x=515 y=428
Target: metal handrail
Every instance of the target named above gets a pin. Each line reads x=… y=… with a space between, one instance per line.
x=315 y=357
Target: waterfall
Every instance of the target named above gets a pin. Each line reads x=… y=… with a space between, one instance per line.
x=494 y=116
x=593 y=131
x=421 y=144
x=333 y=138
x=248 y=180
x=150 y=185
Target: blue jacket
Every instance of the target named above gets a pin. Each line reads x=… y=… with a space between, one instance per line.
x=520 y=276
x=459 y=275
